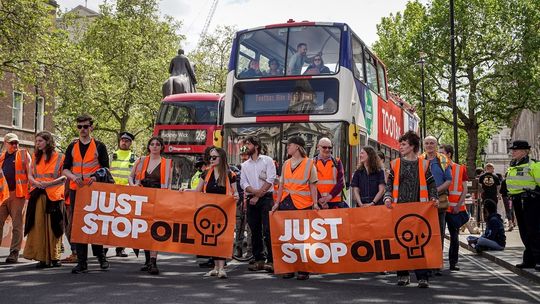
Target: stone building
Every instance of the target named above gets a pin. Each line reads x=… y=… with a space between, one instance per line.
x=527 y=127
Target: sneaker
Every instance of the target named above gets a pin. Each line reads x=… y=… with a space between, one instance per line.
x=56 y=263
x=42 y=265
x=302 y=276
x=403 y=280
x=103 y=264
x=259 y=265
x=120 y=252
x=80 y=268
x=13 y=257
x=145 y=267
x=423 y=284
x=269 y=267
x=221 y=274
x=454 y=268
x=212 y=273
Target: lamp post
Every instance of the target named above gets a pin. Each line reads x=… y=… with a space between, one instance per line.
x=483 y=155
x=421 y=62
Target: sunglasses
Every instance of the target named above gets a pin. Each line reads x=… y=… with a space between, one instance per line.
x=326 y=147
x=214 y=157
x=13 y=143
x=317 y=59
x=83 y=126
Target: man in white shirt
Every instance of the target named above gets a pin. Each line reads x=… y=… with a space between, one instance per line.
x=257 y=178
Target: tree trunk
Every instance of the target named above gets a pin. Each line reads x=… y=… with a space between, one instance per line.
x=472 y=136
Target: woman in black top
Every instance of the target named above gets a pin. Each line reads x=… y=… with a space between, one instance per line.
x=218 y=179
x=368 y=180
x=152 y=171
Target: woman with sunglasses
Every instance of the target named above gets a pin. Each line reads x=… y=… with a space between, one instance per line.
x=44 y=217
x=317 y=67
x=297 y=185
x=368 y=180
x=218 y=179
x=152 y=171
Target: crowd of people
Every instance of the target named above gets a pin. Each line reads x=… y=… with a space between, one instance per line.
x=49 y=181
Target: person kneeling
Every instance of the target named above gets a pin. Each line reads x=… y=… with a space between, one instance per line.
x=494 y=237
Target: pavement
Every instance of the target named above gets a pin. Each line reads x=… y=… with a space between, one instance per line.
x=509 y=257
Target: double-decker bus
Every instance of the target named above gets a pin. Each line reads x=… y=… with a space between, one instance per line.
x=188 y=123
x=348 y=101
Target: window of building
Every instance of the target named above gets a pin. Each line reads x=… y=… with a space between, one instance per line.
x=17 y=110
x=40 y=108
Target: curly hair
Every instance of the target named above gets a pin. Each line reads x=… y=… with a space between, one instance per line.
x=372 y=164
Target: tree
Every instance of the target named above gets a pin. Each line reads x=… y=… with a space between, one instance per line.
x=116 y=70
x=497 y=58
x=211 y=59
x=27 y=37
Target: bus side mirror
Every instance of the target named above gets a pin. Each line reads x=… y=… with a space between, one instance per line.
x=354 y=136
x=218 y=139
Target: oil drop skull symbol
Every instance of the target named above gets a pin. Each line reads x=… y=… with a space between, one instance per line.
x=413 y=232
x=210 y=221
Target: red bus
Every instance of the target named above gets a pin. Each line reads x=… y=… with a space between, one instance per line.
x=188 y=123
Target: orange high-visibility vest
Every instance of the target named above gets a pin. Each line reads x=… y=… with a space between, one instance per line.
x=228 y=191
x=456 y=187
x=21 y=176
x=84 y=167
x=165 y=170
x=46 y=172
x=297 y=183
x=422 y=167
x=4 y=190
x=327 y=179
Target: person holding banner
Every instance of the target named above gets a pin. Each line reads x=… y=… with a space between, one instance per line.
x=152 y=171
x=44 y=224
x=410 y=180
x=84 y=157
x=330 y=176
x=297 y=187
x=257 y=178
x=368 y=180
x=218 y=179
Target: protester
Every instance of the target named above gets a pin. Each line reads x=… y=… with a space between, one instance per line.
x=121 y=164
x=523 y=183
x=152 y=171
x=410 y=180
x=44 y=223
x=218 y=179
x=242 y=228
x=15 y=163
x=439 y=166
x=456 y=214
x=330 y=177
x=494 y=237
x=368 y=180
x=297 y=188
x=257 y=178
x=490 y=184
x=84 y=157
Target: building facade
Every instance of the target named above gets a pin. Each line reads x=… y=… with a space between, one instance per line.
x=527 y=127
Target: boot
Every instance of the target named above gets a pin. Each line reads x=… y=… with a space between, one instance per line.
x=146 y=266
x=80 y=268
x=103 y=264
x=153 y=266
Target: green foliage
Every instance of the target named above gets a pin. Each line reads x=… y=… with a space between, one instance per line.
x=26 y=40
x=115 y=70
x=211 y=59
x=497 y=61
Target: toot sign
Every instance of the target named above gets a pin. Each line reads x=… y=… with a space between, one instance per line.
x=390 y=123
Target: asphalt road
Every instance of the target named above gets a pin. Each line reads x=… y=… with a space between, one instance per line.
x=182 y=281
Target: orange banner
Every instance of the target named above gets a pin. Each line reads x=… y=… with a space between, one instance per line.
x=154 y=219
x=372 y=239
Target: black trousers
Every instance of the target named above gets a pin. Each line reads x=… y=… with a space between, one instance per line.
x=259 y=223
x=527 y=210
x=82 y=249
x=453 y=250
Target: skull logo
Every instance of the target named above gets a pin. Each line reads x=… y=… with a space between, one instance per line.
x=405 y=230
x=210 y=221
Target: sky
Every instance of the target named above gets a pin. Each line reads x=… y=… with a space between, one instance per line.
x=361 y=15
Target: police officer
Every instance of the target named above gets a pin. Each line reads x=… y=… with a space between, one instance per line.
x=121 y=164
x=523 y=183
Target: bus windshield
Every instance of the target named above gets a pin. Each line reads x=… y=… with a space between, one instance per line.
x=300 y=50
x=188 y=113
